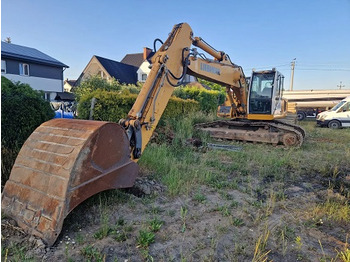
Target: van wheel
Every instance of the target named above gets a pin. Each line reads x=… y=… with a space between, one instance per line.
x=301 y=116
x=334 y=124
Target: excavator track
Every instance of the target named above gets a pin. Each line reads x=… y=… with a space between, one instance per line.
x=273 y=132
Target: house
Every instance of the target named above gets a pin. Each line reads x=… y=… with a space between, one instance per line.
x=68 y=84
x=29 y=65
x=131 y=69
x=140 y=60
x=109 y=69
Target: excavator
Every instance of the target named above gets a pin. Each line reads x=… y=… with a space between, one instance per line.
x=66 y=161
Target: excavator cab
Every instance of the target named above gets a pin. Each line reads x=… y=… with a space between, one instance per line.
x=265 y=95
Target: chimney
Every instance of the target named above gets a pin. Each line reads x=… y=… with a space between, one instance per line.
x=146 y=52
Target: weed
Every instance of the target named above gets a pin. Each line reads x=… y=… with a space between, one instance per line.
x=120 y=236
x=333 y=209
x=171 y=213
x=102 y=232
x=120 y=222
x=155 y=210
x=183 y=215
x=199 y=197
x=91 y=253
x=237 y=222
x=284 y=234
x=17 y=253
x=104 y=218
x=257 y=204
x=121 y=230
x=260 y=253
x=225 y=195
x=225 y=211
x=270 y=204
x=344 y=256
x=155 y=224
x=298 y=242
x=145 y=238
x=79 y=238
x=234 y=204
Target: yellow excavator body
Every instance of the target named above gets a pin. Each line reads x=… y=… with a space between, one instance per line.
x=65 y=161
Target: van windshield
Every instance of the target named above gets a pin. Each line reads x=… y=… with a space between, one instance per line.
x=336 y=107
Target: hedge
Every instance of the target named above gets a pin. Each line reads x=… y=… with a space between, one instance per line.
x=22 y=110
x=112 y=106
x=208 y=99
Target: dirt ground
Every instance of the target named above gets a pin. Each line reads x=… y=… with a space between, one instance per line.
x=208 y=225
x=240 y=216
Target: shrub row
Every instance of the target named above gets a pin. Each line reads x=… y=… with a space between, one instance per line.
x=208 y=99
x=22 y=111
x=112 y=106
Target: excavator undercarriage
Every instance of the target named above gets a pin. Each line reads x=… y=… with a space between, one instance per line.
x=274 y=132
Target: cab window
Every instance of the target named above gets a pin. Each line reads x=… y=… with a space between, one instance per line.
x=261 y=89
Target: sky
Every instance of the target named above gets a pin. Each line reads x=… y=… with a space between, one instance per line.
x=258 y=34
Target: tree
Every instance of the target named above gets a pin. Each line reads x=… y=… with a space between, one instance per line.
x=8 y=40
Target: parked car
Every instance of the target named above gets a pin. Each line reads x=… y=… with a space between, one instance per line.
x=337 y=117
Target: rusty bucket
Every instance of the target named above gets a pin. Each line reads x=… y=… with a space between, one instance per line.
x=62 y=163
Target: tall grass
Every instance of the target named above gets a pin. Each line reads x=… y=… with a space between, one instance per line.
x=181 y=167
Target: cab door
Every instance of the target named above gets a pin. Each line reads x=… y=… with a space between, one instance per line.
x=277 y=95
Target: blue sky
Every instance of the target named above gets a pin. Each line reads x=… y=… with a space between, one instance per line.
x=256 y=34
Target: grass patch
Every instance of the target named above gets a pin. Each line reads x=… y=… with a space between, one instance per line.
x=182 y=168
x=334 y=210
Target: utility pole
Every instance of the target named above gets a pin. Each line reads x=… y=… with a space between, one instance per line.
x=340 y=85
x=292 y=75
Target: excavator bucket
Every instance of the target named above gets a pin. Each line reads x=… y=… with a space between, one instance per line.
x=62 y=163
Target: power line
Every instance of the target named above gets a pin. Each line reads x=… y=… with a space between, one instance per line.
x=324 y=69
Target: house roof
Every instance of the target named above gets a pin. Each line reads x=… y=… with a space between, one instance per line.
x=135 y=59
x=28 y=54
x=70 y=82
x=64 y=96
x=124 y=73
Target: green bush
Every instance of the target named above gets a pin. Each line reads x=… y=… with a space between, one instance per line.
x=208 y=99
x=22 y=110
x=95 y=83
x=112 y=106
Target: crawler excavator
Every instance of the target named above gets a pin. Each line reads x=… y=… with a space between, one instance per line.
x=65 y=161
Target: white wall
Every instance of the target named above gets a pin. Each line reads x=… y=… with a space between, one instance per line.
x=38 y=83
x=143 y=70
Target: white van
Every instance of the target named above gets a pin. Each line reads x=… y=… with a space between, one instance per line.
x=337 y=117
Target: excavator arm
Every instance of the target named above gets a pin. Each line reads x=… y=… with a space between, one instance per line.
x=170 y=64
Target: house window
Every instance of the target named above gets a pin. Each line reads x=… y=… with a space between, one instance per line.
x=24 y=69
x=143 y=77
x=3 y=66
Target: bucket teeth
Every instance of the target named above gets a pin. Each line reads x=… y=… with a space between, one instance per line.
x=62 y=163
